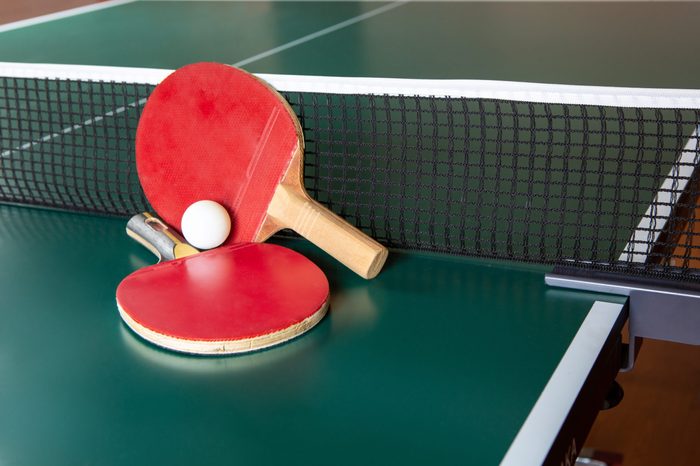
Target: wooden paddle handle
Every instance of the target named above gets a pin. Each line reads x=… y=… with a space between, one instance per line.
x=356 y=250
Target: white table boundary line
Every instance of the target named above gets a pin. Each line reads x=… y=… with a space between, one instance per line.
x=539 y=431
x=22 y=23
x=654 y=220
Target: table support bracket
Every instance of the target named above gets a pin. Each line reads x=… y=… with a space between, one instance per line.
x=655 y=311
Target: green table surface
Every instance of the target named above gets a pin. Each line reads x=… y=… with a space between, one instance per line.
x=617 y=43
x=439 y=360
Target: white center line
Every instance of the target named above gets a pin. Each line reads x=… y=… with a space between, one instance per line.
x=71 y=129
x=322 y=32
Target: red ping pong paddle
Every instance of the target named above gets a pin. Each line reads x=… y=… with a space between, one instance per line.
x=232 y=299
x=212 y=131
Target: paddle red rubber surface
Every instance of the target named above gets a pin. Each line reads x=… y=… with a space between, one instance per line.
x=211 y=131
x=231 y=293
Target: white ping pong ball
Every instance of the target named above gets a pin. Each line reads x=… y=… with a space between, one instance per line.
x=205 y=224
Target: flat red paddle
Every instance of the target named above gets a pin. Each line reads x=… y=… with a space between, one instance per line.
x=231 y=299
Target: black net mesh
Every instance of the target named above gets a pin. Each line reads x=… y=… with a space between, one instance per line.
x=602 y=187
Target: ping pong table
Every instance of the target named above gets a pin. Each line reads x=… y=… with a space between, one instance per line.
x=442 y=359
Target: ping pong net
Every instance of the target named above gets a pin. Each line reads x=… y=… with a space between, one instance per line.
x=587 y=177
